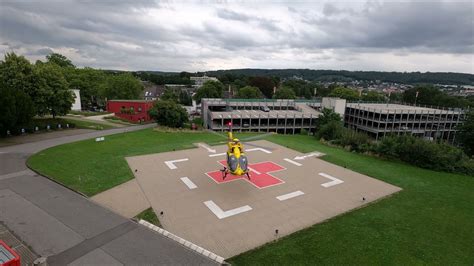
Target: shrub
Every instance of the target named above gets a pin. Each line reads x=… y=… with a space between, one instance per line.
x=356 y=141
x=169 y=113
x=330 y=131
x=425 y=154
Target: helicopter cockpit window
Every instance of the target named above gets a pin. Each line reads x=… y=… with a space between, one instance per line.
x=232 y=162
x=243 y=162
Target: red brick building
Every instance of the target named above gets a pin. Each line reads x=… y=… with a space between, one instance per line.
x=132 y=110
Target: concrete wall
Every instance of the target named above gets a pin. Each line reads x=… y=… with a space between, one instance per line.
x=76 y=106
x=336 y=104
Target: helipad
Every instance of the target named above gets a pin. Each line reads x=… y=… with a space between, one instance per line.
x=287 y=192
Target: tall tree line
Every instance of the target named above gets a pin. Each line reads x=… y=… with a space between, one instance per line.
x=44 y=88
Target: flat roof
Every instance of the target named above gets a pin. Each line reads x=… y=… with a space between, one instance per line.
x=137 y=101
x=392 y=108
x=262 y=114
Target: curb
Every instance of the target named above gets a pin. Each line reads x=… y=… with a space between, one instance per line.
x=183 y=242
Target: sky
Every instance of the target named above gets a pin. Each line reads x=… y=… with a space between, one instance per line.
x=436 y=36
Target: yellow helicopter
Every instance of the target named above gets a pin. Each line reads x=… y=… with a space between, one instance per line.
x=237 y=163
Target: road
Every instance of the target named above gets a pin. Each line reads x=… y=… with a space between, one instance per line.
x=70 y=229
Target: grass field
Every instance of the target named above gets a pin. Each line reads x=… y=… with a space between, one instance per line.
x=88 y=124
x=92 y=167
x=150 y=216
x=431 y=221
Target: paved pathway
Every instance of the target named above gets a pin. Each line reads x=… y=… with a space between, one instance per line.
x=71 y=229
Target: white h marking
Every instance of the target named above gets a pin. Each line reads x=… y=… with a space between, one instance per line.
x=334 y=181
x=290 y=195
x=216 y=154
x=224 y=214
x=171 y=165
x=259 y=149
x=188 y=182
x=292 y=162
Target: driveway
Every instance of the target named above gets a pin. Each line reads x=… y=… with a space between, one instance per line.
x=69 y=228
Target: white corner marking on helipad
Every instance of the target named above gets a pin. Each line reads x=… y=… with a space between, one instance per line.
x=290 y=195
x=171 y=164
x=292 y=162
x=216 y=154
x=334 y=181
x=224 y=214
x=255 y=171
x=188 y=182
x=259 y=149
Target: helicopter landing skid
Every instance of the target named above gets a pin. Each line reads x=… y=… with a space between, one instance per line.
x=224 y=173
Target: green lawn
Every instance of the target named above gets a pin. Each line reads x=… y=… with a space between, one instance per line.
x=92 y=167
x=149 y=216
x=431 y=221
x=88 y=124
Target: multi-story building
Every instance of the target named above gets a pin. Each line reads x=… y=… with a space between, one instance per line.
x=199 y=81
x=258 y=115
x=293 y=116
x=381 y=119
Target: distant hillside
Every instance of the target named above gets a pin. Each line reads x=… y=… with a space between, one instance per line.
x=343 y=75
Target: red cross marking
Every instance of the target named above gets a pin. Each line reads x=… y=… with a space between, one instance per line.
x=259 y=174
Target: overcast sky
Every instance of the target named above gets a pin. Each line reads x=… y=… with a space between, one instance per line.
x=209 y=35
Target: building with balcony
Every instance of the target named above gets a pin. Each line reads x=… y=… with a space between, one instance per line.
x=381 y=119
x=260 y=115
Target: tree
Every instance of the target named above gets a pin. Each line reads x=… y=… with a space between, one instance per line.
x=345 y=93
x=284 y=93
x=427 y=94
x=17 y=73
x=59 y=60
x=185 y=98
x=122 y=86
x=169 y=95
x=465 y=134
x=16 y=109
x=17 y=82
x=249 y=92
x=328 y=115
x=302 y=88
x=265 y=84
x=210 y=89
x=58 y=98
x=373 y=96
x=431 y=95
x=169 y=113
x=88 y=81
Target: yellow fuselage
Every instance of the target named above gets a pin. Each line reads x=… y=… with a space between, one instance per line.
x=237 y=149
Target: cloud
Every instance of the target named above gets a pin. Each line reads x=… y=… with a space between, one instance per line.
x=197 y=36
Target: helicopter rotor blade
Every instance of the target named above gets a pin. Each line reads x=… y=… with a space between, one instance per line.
x=245 y=140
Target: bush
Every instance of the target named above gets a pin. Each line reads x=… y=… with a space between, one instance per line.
x=169 y=113
x=425 y=154
x=356 y=141
x=330 y=131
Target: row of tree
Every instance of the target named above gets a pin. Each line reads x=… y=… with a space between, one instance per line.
x=44 y=88
x=344 y=76
x=438 y=156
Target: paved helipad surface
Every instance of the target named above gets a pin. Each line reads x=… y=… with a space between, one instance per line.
x=231 y=216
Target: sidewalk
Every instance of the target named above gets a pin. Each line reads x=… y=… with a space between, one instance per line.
x=34 y=137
